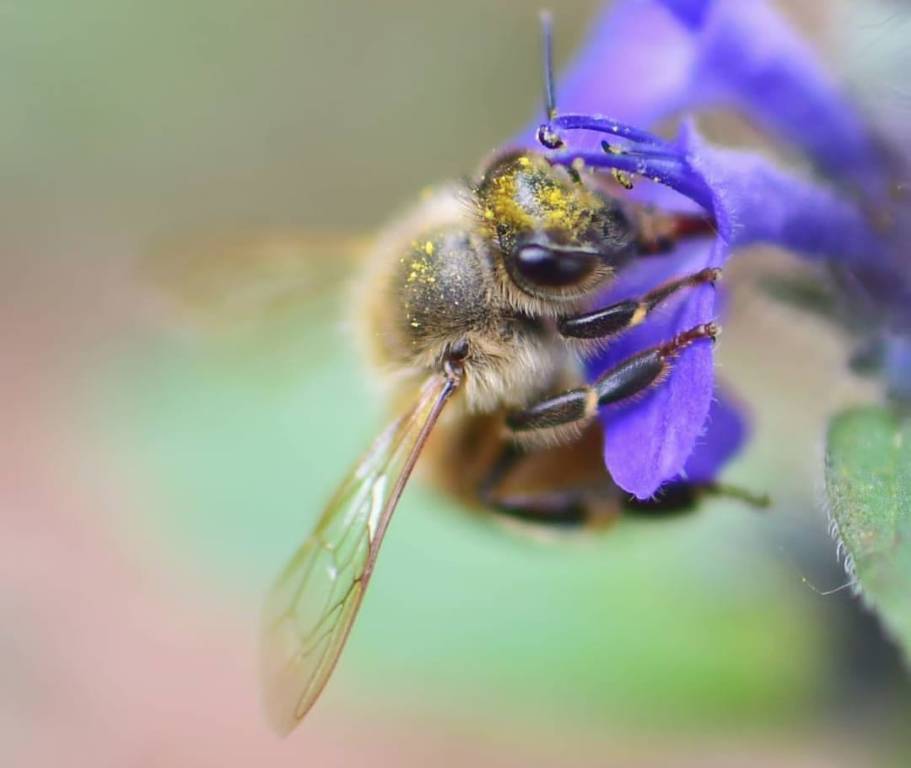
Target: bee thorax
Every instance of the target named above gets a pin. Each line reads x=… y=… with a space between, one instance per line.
x=434 y=286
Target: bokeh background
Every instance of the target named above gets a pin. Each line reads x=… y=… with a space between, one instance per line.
x=166 y=445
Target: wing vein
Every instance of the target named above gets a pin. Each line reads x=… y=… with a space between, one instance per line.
x=310 y=610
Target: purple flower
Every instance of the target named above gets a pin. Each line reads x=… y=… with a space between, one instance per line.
x=647 y=60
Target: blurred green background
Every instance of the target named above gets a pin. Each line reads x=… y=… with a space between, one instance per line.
x=159 y=473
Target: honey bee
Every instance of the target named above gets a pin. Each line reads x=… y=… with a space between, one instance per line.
x=477 y=304
x=477 y=299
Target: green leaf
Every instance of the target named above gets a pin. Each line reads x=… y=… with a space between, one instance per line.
x=868 y=481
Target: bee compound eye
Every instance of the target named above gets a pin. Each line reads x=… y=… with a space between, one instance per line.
x=537 y=265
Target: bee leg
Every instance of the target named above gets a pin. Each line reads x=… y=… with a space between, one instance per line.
x=658 y=232
x=683 y=498
x=560 y=508
x=584 y=507
x=565 y=486
x=593 y=500
x=680 y=497
x=634 y=375
x=609 y=321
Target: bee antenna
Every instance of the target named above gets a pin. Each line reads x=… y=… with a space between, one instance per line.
x=546 y=135
x=547 y=43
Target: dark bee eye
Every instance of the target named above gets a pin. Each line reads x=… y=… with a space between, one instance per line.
x=535 y=265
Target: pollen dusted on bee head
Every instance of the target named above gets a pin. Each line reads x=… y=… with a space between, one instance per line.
x=555 y=199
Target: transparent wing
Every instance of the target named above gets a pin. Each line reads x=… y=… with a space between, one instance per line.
x=229 y=281
x=312 y=606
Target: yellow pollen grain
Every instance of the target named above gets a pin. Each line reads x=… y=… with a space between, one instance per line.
x=554 y=198
x=428 y=248
x=622 y=178
x=562 y=210
x=420 y=270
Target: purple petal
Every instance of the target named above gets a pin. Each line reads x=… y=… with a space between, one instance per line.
x=635 y=65
x=751 y=59
x=648 y=441
x=726 y=430
x=646 y=60
x=690 y=12
x=752 y=201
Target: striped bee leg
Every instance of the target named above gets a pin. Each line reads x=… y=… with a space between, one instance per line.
x=588 y=498
x=631 y=377
x=562 y=486
x=551 y=507
x=612 y=320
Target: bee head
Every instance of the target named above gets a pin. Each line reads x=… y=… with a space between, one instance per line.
x=558 y=239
